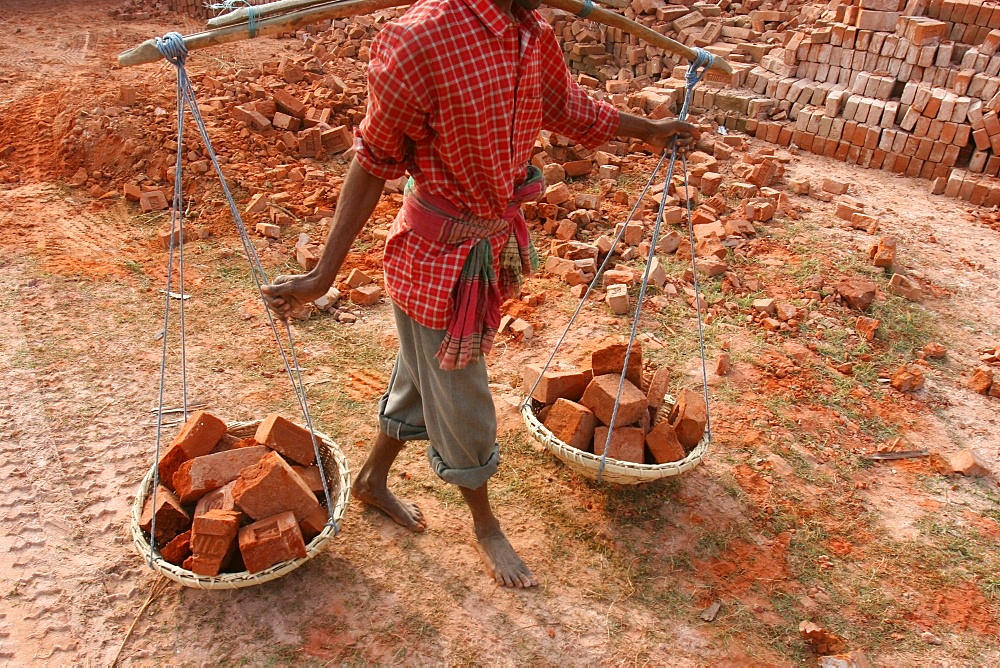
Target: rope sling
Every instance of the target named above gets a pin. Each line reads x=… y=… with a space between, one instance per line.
x=695 y=72
x=174 y=50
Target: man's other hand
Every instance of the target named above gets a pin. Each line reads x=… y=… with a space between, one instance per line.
x=290 y=295
x=666 y=129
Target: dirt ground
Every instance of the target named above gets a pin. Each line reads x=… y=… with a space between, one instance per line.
x=784 y=521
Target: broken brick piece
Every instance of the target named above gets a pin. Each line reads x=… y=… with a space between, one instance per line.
x=689 y=417
x=177 y=550
x=270 y=541
x=213 y=539
x=153 y=200
x=314 y=523
x=197 y=437
x=857 y=292
x=610 y=358
x=196 y=477
x=271 y=487
x=171 y=519
x=981 y=381
x=866 y=327
x=663 y=444
x=366 y=295
x=311 y=477
x=288 y=438
x=571 y=423
x=908 y=378
x=657 y=389
x=967 y=462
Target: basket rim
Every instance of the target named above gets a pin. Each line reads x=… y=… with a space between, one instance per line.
x=615 y=470
x=244 y=578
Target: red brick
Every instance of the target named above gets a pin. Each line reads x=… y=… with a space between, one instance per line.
x=177 y=550
x=131 y=192
x=197 y=437
x=171 y=519
x=288 y=438
x=217 y=499
x=556 y=383
x=289 y=104
x=316 y=116
x=252 y=118
x=663 y=444
x=658 y=386
x=310 y=142
x=627 y=444
x=366 y=295
x=710 y=182
x=283 y=121
x=981 y=381
x=213 y=539
x=835 y=186
x=271 y=487
x=967 y=462
x=196 y=477
x=338 y=139
x=857 y=292
x=600 y=398
x=311 y=477
x=271 y=541
x=313 y=523
x=571 y=423
x=610 y=358
x=689 y=417
x=153 y=200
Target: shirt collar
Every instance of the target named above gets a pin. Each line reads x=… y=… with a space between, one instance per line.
x=494 y=19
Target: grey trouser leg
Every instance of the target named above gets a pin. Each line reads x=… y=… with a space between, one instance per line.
x=452 y=409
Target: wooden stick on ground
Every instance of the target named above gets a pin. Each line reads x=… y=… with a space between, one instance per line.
x=148 y=53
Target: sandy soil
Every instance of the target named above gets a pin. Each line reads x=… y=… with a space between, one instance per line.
x=784 y=521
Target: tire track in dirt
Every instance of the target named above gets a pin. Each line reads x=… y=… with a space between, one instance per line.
x=37 y=627
x=74 y=241
x=34 y=152
x=64 y=557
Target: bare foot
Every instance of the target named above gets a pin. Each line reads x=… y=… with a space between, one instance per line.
x=402 y=512
x=502 y=561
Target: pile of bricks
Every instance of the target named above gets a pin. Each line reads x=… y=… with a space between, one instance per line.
x=229 y=504
x=907 y=87
x=579 y=407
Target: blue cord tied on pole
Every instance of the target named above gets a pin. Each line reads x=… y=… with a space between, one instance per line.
x=587 y=9
x=695 y=72
x=253 y=14
x=172 y=47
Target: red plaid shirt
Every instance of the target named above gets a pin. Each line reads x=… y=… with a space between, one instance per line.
x=457 y=96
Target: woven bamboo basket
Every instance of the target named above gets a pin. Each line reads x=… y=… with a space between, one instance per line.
x=338 y=478
x=615 y=471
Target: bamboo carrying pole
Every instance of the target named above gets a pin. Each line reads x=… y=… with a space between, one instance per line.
x=241 y=14
x=310 y=12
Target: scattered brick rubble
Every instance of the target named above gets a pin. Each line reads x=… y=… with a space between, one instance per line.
x=227 y=505
x=576 y=405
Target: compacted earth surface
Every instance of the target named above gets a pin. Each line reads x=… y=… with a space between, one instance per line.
x=786 y=520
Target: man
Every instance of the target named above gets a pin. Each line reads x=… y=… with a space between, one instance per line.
x=458 y=92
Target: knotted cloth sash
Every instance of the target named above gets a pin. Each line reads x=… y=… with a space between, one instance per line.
x=479 y=291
